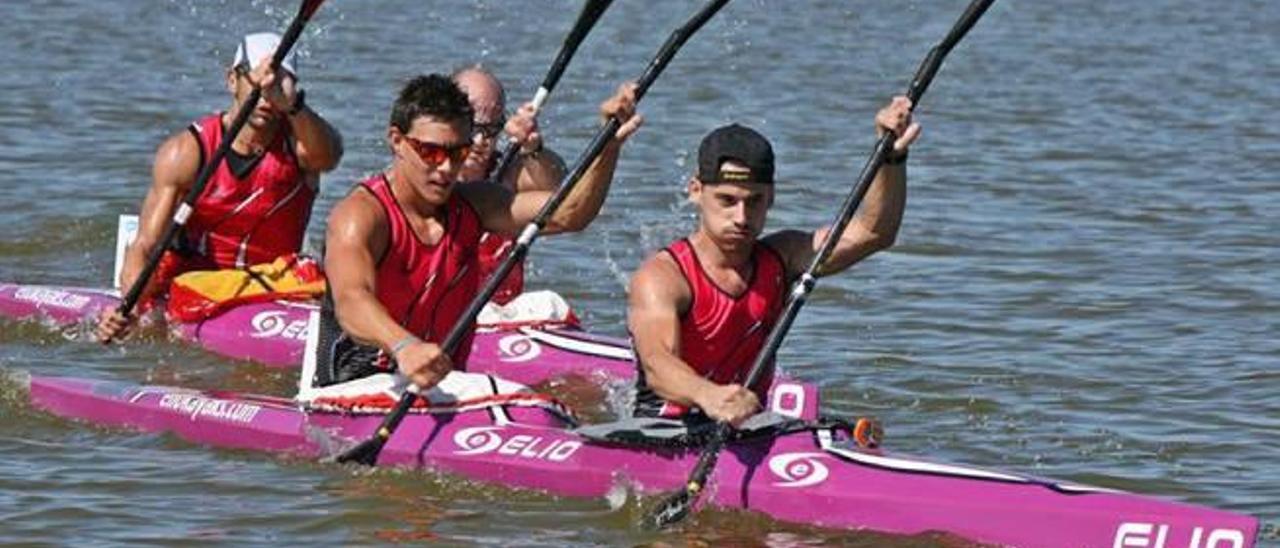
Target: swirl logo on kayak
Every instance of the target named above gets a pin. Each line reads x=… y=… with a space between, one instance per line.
x=474 y=441
x=517 y=348
x=479 y=440
x=274 y=323
x=798 y=469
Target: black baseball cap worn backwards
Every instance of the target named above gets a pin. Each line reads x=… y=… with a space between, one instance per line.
x=738 y=143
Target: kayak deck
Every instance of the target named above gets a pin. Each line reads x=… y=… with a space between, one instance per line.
x=275 y=333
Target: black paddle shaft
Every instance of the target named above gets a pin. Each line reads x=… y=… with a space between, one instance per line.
x=677 y=506
x=801 y=289
x=183 y=213
x=591 y=12
x=367 y=452
x=593 y=150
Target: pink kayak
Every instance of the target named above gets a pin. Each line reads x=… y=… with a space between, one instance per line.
x=808 y=474
x=275 y=333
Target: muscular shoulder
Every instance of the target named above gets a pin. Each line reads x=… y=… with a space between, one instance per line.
x=659 y=282
x=358 y=218
x=177 y=160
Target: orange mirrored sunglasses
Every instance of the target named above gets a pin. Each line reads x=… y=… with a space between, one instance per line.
x=434 y=154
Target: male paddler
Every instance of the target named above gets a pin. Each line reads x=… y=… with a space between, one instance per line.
x=401 y=248
x=536 y=167
x=257 y=203
x=700 y=309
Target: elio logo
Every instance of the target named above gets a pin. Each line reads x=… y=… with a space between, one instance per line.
x=479 y=440
x=1155 y=535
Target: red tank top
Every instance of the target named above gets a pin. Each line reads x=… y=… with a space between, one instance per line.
x=721 y=334
x=427 y=287
x=493 y=249
x=242 y=222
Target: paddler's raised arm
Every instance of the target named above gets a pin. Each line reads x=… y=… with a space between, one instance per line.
x=507 y=213
x=657 y=297
x=537 y=167
x=875 y=225
x=582 y=205
x=317 y=144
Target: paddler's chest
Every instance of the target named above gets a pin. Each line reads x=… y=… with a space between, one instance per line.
x=730 y=280
x=427 y=230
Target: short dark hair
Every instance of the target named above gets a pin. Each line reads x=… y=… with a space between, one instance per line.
x=432 y=95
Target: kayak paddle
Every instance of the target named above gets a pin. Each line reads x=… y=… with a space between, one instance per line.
x=591 y=12
x=677 y=506
x=183 y=213
x=367 y=451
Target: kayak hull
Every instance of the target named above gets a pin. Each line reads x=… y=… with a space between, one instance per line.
x=809 y=477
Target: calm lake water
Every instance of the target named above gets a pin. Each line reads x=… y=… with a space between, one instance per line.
x=1085 y=286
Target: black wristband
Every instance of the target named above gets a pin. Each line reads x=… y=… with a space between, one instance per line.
x=891 y=160
x=299 y=102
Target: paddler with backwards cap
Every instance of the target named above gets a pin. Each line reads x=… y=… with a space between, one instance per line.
x=701 y=308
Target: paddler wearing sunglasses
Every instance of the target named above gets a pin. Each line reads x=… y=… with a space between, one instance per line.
x=401 y=248
x=536 y=166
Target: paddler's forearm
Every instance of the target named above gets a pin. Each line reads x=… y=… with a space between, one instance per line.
x=881 y=212
x=674 y=381
x=135 y=256
x=875 y=226
x=583 y=203
x=154 y=219
x=319 y=144
x=363 y=318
